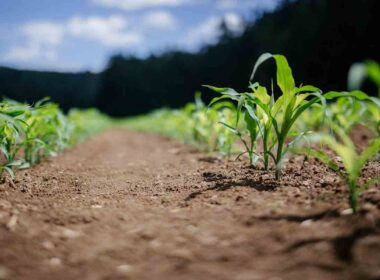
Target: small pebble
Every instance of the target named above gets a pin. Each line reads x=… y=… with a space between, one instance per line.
x=55 y=261
x=347 y=212
x=11 y=225
x=4 y=273
x=69 y=233
x=124 y=268
x=48 y=245
x=306 y=223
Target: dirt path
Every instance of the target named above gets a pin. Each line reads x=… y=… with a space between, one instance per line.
x=127 y=205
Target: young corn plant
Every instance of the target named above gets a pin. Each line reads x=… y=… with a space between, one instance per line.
x=223 y=138
x=272 y=120
x=267 y=118
x=83 y=123
x=360 y=71
x=31 y=133
x=374 y=117
x=207 y=135
x=348 y=113
x=203 y=126
x=353 y=162
x=12 y=133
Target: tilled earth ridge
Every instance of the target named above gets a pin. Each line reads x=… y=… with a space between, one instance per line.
x=130 y=205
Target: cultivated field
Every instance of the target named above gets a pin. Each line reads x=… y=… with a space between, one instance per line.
x=279 y=182
x=134 y=205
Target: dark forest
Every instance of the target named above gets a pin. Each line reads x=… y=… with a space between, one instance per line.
x=319 y=44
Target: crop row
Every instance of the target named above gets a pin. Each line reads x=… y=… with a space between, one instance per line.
x=30 y=133
x=272 y=122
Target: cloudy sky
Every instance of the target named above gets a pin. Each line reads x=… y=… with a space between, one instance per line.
x=76 y=35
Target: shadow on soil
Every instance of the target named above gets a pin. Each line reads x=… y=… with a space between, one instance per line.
x=224 y=183
x=342 y=244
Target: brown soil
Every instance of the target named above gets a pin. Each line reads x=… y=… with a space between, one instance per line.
x=128 y=205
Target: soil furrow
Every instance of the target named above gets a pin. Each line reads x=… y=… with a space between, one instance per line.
x=129 y=205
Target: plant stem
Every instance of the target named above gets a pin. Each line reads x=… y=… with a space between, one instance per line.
x=353 y=199
x=280 y=146
x=266 y=155
x=250 y=158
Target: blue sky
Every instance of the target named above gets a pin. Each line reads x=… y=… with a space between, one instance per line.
x=78 y=35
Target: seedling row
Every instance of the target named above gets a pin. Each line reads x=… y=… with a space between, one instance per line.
x=270 y=123
x=30 y=133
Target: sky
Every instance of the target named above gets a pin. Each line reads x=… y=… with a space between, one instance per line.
x=81 y=35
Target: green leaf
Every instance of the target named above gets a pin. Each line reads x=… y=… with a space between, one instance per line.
x=307 y=88
x=14 y=163
x=226 y=91
x=301 y=109
x=298 y=137
x=5 y=151
x=217 y=99
x=285 y=78
x=230 y=128
x=369 y=152
x=15 y=113
x=262 y=94
x=25 y=165
x=259 y=61
x=356 y=93
x=10 y=171
x=300 y=98
x=373 y=70
x=238 y=111
x=356 y=76
x=251 y=126
x=347 y=153
x=322 y=156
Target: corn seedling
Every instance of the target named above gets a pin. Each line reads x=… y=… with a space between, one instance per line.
x=352 y=161
x=194 y=124
x=47 y=132
x=272 y=120
x=266 y=118
x=360 y=71
x=12 y=134
x=83 y=123
x=31 y=133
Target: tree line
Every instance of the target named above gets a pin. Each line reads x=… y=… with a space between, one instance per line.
x=320 y=38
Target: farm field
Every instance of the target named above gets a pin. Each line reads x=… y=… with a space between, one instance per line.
x=133 y=205
x=181 y=140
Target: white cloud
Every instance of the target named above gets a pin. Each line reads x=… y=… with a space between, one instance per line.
x=247 y=4
x=22 y=53
x=160 y=20
x=109 y=31
x=139 y=4
x=31 y=52
x=209 y=31
x=234 y=22
x=227 y=4
x=46 y=33
x=42 y=38
x=205 y=32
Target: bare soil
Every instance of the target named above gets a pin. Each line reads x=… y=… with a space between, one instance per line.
x=128 y=205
